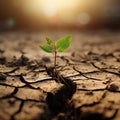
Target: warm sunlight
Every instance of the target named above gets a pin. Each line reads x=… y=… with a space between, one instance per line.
x=53 y=7
x=52 y=11
x=63 y=11
x=47 y=13
x=50 y=8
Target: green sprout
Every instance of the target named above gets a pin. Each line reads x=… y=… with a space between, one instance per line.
x=59 y=46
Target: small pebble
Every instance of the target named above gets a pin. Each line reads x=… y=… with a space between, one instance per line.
x=113 y=87
x=46 y=59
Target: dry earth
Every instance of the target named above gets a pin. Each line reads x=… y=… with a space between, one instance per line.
x=92 y=62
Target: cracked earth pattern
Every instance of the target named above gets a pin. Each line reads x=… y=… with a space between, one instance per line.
x=92 y=62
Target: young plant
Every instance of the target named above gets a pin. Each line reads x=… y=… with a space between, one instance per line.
x=58 y=46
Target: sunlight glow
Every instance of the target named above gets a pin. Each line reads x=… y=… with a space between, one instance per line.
x=53 y=7
x=59 y=11
x=49 y=9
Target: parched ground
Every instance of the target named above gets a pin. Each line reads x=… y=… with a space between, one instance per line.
x=92 y=62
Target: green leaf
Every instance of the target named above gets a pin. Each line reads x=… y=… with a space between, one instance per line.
x=63 y=44
x=49 y=40
x=46 y=48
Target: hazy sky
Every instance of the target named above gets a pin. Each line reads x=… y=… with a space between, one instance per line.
x=48 y=12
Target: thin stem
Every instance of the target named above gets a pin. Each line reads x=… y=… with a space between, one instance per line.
x=55 y=58
x=55 y=55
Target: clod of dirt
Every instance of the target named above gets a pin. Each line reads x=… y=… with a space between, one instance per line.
x=73 y=54
x=3 y=77
x=22 y=61
x=1 y=51
x=32 y=65
x=46 y=59
x=2 y=60
x=113 y=87
x=91 y=53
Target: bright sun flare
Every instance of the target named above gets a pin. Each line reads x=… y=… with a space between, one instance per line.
x=55 y=11
x=52 y=7
x=49 y=7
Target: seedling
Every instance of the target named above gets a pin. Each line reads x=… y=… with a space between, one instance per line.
x=54 y=47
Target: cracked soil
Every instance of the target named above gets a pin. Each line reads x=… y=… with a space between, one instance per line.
x=86 y=87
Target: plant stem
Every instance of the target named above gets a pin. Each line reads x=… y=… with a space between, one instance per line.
x=55 y=55
x=55 y=59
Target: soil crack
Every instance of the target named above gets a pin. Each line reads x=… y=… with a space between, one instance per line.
x=57 y=99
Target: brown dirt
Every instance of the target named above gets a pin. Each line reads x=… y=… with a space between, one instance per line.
x=92 y=63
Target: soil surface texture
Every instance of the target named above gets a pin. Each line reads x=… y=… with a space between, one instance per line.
x=85 y=85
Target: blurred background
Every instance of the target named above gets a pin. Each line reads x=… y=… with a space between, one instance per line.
x=52 y=14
